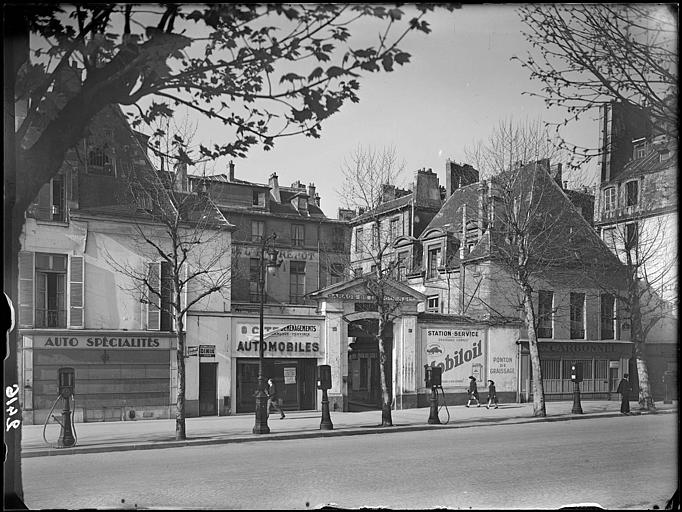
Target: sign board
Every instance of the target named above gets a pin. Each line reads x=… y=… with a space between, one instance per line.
x=290 y=375
x=206 y=350
x=283 y=339
x=192 y=351
x=458 y=351
x=118 y=341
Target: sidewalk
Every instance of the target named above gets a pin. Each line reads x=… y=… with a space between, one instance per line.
x=150 y=434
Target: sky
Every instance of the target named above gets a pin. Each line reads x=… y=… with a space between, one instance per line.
x=458 y=85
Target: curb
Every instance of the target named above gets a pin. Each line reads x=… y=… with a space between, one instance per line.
x=349 y=431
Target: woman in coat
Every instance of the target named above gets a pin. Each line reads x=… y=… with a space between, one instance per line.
x=473 y=391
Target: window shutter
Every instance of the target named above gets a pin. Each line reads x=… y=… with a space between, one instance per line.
x=76 y=292
x=153 y=299
x=26 y=290
x=43 y=208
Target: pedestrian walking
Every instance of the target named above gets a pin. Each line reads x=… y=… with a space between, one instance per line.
x=492 y=395
x=473 y=391
x=273 y=398
x=625 y=388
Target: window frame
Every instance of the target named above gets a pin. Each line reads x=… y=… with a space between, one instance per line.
x=257 y=234
x=297 y=229
x=603 y=317
x=577 y=316
x=545 y=315
x=432 y=264
x=433 y=304
x=630 y=186
x=296 y=281
x=610 y=196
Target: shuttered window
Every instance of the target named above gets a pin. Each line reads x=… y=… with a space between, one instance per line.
x=76 y=292
x=152 y=299
x=26 y=298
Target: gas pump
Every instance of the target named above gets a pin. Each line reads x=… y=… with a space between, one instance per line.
x=66 y=378
x=433 y=379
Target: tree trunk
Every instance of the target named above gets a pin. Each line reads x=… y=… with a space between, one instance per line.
x=386 y=419
x=646 y=401
x=538 y=385
x=180 y=432
x=15 y=53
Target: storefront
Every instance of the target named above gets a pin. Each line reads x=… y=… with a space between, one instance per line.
x=292 y=349
x=119 y=375
x=603 y=365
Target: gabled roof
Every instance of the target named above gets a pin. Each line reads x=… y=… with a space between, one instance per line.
x=449 y=217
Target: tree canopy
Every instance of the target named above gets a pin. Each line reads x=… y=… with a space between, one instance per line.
x=263 y=70
x=589 y=54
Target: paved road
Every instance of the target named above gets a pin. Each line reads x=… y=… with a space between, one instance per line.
x=620 y=463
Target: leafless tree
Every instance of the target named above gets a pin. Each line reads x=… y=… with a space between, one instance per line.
x=586 y=55
x=367 y=173
x=181 y=248
x=648 y=250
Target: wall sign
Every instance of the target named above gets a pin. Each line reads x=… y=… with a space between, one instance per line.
x=458 y=351
x=284 y=339
x=290 y=375
x=109 y=341
x=206 y=350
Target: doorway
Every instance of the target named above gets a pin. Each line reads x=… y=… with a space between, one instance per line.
x=364 y=373
x=208 y=389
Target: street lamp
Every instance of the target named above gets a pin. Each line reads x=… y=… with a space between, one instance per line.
x=261 y=425
x=577 y=378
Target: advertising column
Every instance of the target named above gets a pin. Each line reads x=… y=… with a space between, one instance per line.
x=459 y=352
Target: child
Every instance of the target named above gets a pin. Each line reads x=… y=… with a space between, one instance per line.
x=473 y=391
x=492 y=395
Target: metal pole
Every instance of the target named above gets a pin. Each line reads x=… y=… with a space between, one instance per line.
x=261 y=425
x=326 y=422
x=433 y=412
x=577 y=408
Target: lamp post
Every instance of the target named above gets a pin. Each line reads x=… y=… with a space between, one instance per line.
x=261 y=425
x=577 y=378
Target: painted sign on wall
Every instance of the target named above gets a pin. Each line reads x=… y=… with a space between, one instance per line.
x=284 y=339
x=101 y=341
x=458 y=351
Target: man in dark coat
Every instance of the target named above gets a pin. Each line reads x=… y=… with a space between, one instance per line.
x=273 y=398
x=625 y=388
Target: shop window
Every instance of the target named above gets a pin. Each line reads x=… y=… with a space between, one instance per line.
x=607 y=316
x=433 y=261
x=550 y=368
x=257 y=229
x=601 y=369
x=50 y=290
x=296 y=281
x=610 y=199
x=433 y=304
x=545 y=313
x=586 y=364
x=254 y=275
x=577 y=314
x=632 y=192
x=298 y=235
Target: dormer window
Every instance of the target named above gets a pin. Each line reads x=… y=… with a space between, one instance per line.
x=433 y=262
x=302 y=204
x=259 y=198
x=639 y=148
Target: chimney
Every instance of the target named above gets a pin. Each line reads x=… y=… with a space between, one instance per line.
x=457 y=176
x=231 y=171
x=556 y=172
x=317 y=199
x=312 y=198
x=274 y=187
x=387 y=192
x=425 y=189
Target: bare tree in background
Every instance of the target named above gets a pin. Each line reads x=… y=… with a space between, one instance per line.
x=182 y=247
x=586 y=55
x=366 y=173
x=649 y=295
x=533 y=227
